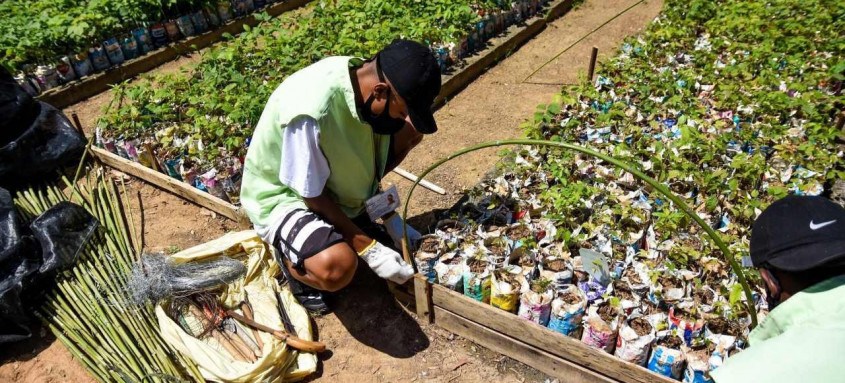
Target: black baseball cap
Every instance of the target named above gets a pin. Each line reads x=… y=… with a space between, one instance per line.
x=414 y=73
x=799 y=233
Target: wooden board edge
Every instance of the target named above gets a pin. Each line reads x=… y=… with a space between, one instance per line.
x=96 y=84
x=537 y=358
x=540 y=337
x=172 y=185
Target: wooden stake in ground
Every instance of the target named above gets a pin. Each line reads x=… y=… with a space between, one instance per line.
x=593 y=57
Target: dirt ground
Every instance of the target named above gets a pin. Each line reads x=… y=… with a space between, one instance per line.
x=371 y=338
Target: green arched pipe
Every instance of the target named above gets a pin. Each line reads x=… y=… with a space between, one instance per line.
x=662 y=189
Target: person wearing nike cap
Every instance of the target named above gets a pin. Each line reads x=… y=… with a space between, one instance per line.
x=798 y=245
x=325 y=139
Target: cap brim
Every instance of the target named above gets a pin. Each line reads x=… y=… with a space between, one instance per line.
x=423 y=119
x=810 y=256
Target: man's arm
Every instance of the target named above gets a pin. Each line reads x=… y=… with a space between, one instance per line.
x=328 y=209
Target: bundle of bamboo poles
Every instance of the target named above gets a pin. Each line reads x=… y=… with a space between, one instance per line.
x=89 y=309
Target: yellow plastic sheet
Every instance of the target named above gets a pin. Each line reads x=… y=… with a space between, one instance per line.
x=278 y=362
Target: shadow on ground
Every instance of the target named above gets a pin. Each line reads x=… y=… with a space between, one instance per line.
x=370 y=313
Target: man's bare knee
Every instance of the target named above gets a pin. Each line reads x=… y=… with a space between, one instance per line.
x=334 y=267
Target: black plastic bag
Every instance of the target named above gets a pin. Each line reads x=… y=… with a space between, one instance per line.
x=36 y=139
x=30 y=257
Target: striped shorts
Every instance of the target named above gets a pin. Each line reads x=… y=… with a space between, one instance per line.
x=302 y=234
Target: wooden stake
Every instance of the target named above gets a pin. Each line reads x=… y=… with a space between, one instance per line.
x=422 y=295
x=78 y=125
x=426 y=184
x=593 y=57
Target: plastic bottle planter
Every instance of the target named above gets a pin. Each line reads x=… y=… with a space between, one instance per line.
x=47 y=77
x=224 y=9
x=28 y=85
x=200 y=22
x=172 y=29
x=81 y=65
x=65 y=70
x=113 y=51
x=186 y=26
x=143 y=40
x=212 y=17
x=129 y=47
x=98 y=58
x=243 y=7
x=158 y=34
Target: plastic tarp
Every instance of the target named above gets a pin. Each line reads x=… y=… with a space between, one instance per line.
x=31 y=255
x=278 y=362
x=35 y=138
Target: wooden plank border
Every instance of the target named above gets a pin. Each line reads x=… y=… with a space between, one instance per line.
x=172 y=185
x=537 y=336
x=526 y=353
x=452 y=84
x=92 y=85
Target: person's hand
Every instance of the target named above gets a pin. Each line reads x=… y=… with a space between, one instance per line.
x=394 y=225
x=387 y=263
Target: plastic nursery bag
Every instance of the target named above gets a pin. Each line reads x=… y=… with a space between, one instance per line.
x=667 y=359
x=426 y=257
x=567 y=310
x=535 y=306
x=477 y=279
x=634 y=340
x=703 y=361
x=278 y=363
x=600 y=329
x=687 y=328
x=505 y=287
x=449 y=270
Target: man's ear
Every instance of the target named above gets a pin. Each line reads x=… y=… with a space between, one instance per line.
x=772 y=285
x=380 y=90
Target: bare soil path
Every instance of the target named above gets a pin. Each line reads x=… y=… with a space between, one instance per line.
x=388 y=345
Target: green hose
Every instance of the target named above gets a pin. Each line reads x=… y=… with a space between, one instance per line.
x=662 y=189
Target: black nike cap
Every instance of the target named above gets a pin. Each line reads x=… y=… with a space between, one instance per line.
x=413 y=71
x=799 y=233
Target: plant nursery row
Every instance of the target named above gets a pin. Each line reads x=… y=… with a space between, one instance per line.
x=50 y=43
x=196 y=127
x=729 y=104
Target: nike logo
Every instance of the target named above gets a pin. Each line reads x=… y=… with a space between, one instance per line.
x=816 y=226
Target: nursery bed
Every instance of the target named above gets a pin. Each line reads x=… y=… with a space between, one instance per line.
x=92 y=85
x=498 y=48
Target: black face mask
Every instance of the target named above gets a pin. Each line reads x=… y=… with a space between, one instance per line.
x=383 y=123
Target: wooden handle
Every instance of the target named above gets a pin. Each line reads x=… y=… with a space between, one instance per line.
x=236 y=354
x=246 y=307
x=292 y=341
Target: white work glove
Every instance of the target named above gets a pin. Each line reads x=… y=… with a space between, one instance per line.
x=387 y=263
x=394 y=226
